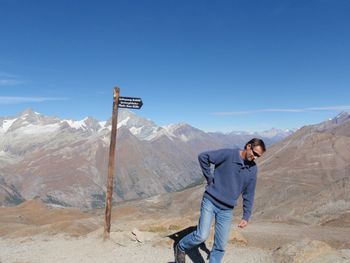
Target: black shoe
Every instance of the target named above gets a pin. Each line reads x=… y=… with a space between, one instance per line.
x=180 y=256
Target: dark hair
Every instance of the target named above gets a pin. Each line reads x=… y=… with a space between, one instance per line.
x=256 y=142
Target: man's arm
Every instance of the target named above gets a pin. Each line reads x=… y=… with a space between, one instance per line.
x=248 y=200
x=211 y=157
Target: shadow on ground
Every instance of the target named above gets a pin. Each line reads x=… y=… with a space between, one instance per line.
x=194 y=253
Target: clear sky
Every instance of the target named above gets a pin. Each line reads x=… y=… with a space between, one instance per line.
x=217 y=65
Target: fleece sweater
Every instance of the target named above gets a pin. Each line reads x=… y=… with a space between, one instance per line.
x=232 y=177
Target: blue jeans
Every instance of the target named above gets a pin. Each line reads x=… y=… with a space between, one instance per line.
x=223 y=219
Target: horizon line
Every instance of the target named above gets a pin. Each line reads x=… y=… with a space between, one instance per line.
x=295 y=110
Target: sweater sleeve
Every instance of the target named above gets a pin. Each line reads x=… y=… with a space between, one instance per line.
x=211 y=157
x=248 y=199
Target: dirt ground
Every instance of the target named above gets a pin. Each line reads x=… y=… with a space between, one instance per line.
x=35 y=233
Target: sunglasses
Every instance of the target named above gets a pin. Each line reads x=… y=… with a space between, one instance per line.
x=254 y=152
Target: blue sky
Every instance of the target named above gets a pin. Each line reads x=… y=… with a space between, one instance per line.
x=217 y=65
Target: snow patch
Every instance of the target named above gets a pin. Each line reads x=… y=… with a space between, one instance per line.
x=7 y=124
x=106 y=140
x=136 y=131
x=102 y=123
x=123 y=122
x=184 y=138
x=156 y=135
x=76 y=124
x=39 y=129
x=171 y=128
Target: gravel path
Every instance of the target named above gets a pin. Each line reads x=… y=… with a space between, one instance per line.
x=91 y=249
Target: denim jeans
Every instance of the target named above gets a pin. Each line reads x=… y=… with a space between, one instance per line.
x=223 y=220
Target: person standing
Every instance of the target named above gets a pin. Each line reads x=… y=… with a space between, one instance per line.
x=235 y=174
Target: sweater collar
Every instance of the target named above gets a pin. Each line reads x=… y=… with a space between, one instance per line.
x=238 y=159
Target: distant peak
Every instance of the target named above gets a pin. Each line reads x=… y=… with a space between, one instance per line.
x=28 y=111
x=240 y=133
x=341 y=117
x=176 y=125
x=127 y=113
x=90 y=119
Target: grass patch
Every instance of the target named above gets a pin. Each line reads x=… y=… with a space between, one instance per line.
x=174 y=227
x=160 y=228
x=157 y=229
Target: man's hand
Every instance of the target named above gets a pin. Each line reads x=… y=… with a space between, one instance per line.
x=243 y=223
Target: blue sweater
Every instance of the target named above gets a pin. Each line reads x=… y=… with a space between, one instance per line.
x=232 y=177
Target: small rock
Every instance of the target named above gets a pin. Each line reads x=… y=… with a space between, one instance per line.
x=122 y=238
x=138 y=235
x=143 y=236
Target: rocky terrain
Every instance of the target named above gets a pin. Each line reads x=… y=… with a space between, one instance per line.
x=147 y=230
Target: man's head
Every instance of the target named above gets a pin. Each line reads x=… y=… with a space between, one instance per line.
x=253 y=149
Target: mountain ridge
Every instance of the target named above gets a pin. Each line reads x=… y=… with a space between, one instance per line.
x=43 y=156
x=127 y=118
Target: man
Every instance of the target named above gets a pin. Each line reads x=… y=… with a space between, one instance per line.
x=235 y=173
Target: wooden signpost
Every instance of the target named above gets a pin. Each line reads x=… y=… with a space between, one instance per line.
x=121 y=102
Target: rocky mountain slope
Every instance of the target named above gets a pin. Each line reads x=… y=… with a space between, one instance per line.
x=303 y=180
x=306 y=177
x=64 y=162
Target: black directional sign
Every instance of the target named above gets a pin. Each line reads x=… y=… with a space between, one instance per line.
x=130 y=103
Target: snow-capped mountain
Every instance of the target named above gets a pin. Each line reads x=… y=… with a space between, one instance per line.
x=65 y=161
x=30 y=122
x=273 y=133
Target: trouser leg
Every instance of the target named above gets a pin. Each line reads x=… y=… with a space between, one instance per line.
x=203 y=229
x=223 y=220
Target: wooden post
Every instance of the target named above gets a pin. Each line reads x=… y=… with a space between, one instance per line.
x=111 y=164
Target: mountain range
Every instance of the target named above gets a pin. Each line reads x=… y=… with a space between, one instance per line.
x=64 y=162
x=303 y=177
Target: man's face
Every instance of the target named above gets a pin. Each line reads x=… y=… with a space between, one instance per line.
x=253 y=153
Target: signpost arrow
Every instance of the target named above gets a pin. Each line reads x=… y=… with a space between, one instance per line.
x=130 y=103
